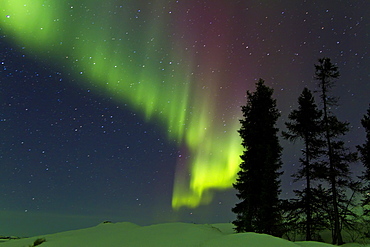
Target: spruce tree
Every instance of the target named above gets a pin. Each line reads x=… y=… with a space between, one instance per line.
x=306 y=125
x=258 y=181
x=338 y=156
x=365 y=158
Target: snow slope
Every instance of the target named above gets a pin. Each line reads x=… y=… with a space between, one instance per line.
x=169 y=234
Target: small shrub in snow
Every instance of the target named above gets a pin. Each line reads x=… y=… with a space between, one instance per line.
x=38 y=242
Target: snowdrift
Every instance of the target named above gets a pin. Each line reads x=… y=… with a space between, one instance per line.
x=161 y=235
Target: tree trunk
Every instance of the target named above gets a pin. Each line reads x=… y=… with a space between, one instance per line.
x=337 y=236
x=308 y=197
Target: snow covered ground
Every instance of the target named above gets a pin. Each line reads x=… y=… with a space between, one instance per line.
x=168 y=234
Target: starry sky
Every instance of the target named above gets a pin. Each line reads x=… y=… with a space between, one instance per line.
x=128 y=110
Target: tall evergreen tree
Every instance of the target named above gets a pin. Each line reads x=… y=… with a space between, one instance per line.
x=306 y=125
x=365 y=156
x=338 y=157
x=258 y=181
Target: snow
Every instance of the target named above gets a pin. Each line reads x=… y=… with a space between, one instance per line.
x=168 y=234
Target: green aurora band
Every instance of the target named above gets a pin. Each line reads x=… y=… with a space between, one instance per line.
x=128 y=53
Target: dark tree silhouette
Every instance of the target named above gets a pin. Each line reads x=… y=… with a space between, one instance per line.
x=295 y=212
x=258 y=181
x=338 y=157
x=365 y=158
x=306 y=125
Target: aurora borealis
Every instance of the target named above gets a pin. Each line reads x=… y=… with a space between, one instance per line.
x=142 y=63
x=181 y=69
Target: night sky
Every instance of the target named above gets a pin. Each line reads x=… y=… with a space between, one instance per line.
x=128 y=110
